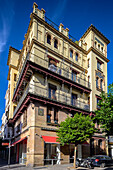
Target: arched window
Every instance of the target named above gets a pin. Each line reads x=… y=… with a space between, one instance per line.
x=76 y=57
x=102 y=49
x=48 y=39
x=95 y=44
x=97 y=82
x=101 y=84
x=56 y=43
x=71 y=53
x=99 y=46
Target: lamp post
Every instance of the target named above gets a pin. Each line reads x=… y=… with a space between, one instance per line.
x=9 y=152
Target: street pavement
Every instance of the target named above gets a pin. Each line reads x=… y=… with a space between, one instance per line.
x=4 y=166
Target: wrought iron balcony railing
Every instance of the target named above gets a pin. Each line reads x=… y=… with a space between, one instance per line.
x=59 y=96
x=64 y=70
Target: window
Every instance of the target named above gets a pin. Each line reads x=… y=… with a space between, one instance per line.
x=52 y=65
x=56 y=115
x=18 y=128
x=95 y=44
x=74 y=76
x=74 y=99
x=97 y=82
x=98 y=103
x=49 y=109
x=76 y=57
x=102 y=49
x=52 y=92
x=101 y=84
x=14 y=107
x=48 y=39
x=56 y=43
x=88 y=81
x=99 y=46
x=98 y=65
x=15 y=77
x=71 y=53
x=88 y=100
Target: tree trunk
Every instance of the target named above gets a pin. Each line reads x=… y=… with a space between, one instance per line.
x=75 y=156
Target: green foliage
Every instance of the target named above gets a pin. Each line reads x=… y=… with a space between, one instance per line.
x=105 y=114
x=76 y=130
x=77 y=42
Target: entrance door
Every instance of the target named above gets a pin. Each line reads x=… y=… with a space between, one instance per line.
x=52 y=152
x=20 y=153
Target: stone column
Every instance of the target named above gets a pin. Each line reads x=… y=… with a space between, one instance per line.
x=31 y=135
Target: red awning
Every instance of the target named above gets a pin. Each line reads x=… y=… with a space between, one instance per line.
x=50 y=139
x=20 y=140
x=5 y=144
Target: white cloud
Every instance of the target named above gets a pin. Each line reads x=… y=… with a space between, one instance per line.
x=4 y=32
x=59 y=9
x=6 y=17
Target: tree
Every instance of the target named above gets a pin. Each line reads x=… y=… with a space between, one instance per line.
x=76 y=130
x=104 y=115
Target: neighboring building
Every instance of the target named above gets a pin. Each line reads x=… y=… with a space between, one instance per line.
x=57 y=76
x=4 y=121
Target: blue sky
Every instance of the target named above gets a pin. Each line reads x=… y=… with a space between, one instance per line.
x=75 y=15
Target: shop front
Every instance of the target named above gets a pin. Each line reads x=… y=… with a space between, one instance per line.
x=20 y=149
x=51 y=150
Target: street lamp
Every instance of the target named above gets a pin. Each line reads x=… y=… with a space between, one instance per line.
x=9 y=151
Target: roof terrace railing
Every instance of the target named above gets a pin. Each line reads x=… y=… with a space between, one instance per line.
x=52 y=23
x=57 y=28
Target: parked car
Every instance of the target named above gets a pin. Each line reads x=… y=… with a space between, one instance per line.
x=100 y=160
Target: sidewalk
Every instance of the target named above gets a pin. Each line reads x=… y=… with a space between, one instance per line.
x=49 y=167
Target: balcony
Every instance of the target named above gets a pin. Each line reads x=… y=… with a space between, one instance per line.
x=58 y=96
x=64 y=70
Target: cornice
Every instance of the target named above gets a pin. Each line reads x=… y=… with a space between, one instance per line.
x=26 y=37
x=97 y=53
x=97 y=32
x=57 y=54
x=58 y=33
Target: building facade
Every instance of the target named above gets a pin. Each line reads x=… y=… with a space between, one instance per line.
x=53 y=76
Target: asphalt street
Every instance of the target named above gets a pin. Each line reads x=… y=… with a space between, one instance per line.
x=4 y=166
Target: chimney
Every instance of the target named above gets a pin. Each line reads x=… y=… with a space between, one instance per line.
x=61 y=27
x=43 y=14
x=35 y=6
